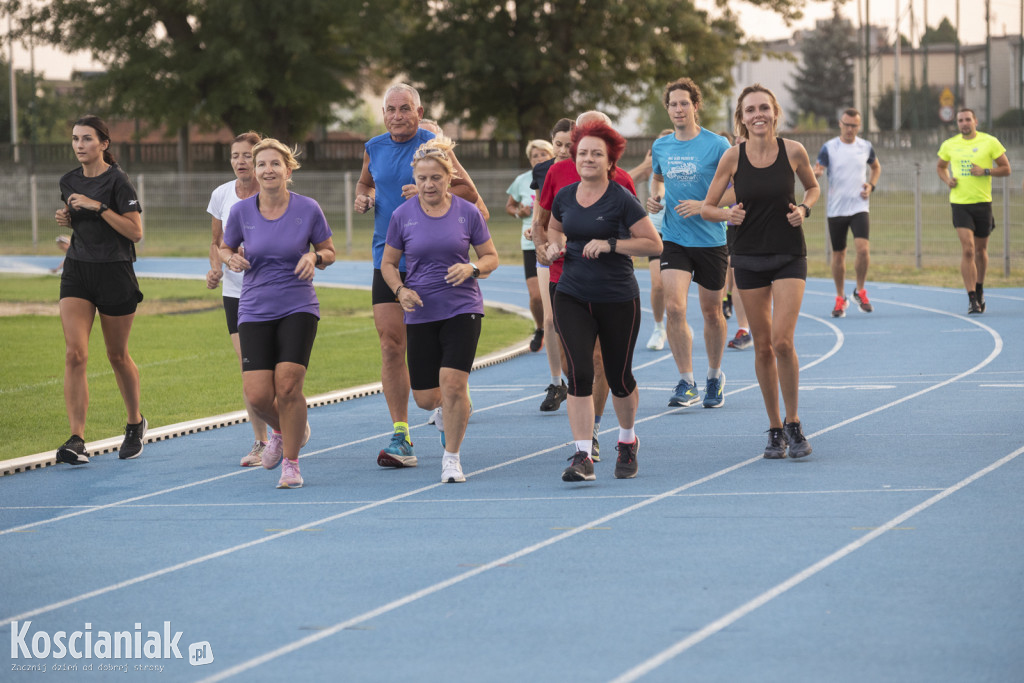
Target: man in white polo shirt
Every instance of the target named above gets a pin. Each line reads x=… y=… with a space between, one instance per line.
x=847 y=159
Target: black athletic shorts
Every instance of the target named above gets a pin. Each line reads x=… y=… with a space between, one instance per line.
x=707 y=264
x=231 y=313
x=449 y=343
x=858 y=224
x=111 y=287
x=285 y=340
x=756 y=271
x=976 y=217
x=380 y=292
x=530 y=263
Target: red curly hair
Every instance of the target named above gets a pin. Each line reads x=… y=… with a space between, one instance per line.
x=599 y=129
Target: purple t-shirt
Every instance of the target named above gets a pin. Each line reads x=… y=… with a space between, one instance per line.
x=432 y=245
x=271 y=290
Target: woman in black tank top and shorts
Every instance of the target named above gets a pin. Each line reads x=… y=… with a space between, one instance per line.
x=769 y=253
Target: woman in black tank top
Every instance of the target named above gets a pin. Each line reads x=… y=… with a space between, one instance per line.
x=769 y=253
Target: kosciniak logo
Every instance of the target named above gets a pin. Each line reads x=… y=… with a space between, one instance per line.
x=100 y=644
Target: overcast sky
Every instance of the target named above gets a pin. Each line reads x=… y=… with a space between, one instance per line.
x=756 y=23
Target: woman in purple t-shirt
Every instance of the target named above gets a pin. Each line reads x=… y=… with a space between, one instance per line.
x=278 y=310
x=441 y=299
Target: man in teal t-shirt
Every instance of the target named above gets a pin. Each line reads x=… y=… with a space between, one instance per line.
x=967 y=163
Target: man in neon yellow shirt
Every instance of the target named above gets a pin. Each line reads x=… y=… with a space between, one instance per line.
x=967 y=163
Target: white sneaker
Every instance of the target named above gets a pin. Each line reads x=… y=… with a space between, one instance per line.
x=657 y=340
x=255 y=455
x=451 y=470
x=433 y=416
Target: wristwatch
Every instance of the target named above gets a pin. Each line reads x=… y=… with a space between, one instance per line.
x=611 y=244
x=103 y=207
x=807 y=209
x=476 y=271
x=319 y=258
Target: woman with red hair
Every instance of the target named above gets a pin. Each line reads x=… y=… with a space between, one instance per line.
x=598 y=226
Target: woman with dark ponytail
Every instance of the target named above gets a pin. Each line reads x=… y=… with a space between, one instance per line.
x=102 y=209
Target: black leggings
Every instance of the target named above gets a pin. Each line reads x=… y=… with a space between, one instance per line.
x=580 y=324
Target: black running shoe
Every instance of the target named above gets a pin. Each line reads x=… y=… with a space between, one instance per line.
x=595 y=446
x=776 y=447
x=727 y=307
x=625 y=465
x=799 y=446
x=554 y=398
x=581 y=469
x=131 y=447
x=537 y=342
x=73 y=451
x=974 y=307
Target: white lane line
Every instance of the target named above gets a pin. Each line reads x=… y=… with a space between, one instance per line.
x=459 y=578
x=504 y=499
x=727 y=620
x=373 y=437
x=235 y=473
x=436 y=587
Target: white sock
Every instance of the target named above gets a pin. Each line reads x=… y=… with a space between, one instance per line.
x=714 y=373
x=452 y=455
x=557 y=381
x=585 y=446
x=626 y=435
x=659 y=325
x=688 y=376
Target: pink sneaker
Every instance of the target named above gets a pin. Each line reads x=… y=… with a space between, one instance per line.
x=271 y=456
x=290 y=477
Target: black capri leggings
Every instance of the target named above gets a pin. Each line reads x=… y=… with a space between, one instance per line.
x=580 y=324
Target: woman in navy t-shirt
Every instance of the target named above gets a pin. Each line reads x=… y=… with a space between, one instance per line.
x=598 y=226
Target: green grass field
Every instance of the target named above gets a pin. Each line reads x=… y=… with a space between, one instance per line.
x=180 y=343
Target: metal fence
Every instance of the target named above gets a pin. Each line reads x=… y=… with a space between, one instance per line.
x=910 y=215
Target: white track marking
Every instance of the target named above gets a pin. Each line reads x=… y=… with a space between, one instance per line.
x=732 y=617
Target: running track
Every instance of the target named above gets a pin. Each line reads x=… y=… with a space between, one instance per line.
x=893 y=553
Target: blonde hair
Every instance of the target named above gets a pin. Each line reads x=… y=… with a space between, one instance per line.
x=542 y=145
x=438 y=149
x=286 y=152
x=740 y=128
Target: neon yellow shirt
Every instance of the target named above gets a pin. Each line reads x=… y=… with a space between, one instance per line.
x=982 y=150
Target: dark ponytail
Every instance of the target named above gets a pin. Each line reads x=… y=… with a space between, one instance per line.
x=97 y=124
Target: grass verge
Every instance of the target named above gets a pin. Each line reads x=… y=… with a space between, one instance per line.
x=180 y=343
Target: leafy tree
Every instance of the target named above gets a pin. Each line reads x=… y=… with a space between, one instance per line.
x=43 y=118
x=824 y=82
x=919 y=108
x=520 y=65
x=267 y=65
x=943 y=33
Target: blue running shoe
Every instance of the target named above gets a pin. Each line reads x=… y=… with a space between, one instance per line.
x=685 y=394
x=398 y=453
x=714 y=392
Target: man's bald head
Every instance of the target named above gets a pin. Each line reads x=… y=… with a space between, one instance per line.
x=592 y=116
